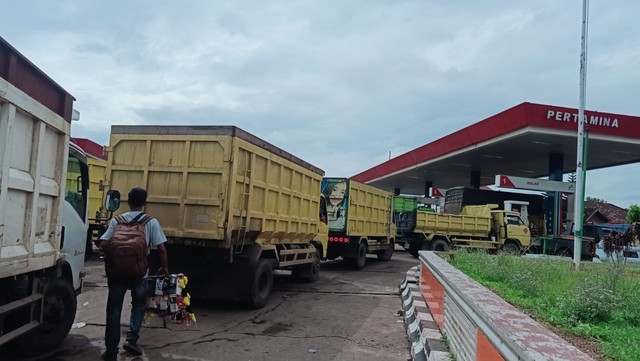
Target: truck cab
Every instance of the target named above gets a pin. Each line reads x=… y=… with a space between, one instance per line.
x=74 y=213
x=512 y=231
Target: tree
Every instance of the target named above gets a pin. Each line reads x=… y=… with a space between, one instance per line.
x=633 y=214
x=594 y=200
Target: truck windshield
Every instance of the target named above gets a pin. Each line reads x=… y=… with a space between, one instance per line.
x=513 y=219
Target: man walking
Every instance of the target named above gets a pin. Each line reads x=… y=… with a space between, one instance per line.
x=126 y=246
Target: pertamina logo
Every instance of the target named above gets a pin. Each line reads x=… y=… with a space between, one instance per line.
x=590 y=120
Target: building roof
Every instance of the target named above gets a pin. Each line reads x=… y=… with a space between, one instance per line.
x=517 y=142
x=90 y=147
x=594 y=211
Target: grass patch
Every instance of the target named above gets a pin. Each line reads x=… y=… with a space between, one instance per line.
x=600 y=302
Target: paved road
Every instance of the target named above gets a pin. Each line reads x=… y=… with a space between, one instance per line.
x=346 y=315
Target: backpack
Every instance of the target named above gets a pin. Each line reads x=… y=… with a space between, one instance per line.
x=126 y=252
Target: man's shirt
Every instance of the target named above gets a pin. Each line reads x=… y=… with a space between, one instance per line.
x=152 y=230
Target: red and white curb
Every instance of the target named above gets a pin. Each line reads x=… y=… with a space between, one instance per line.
x=423 y=333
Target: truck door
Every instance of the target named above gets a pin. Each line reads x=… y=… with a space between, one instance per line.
x=517 y=229
x=74 y=215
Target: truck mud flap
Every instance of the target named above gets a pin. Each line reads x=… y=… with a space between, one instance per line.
x=223 y=282
x=342 y=249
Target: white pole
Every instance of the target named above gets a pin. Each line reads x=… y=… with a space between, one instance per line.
x=579 y=200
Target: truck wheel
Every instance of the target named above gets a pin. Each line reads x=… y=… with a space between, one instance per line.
x=262 y=283
x=417 y=244
x=511 y=247
x=309 y=272
x=440 y=245
x=387 y=253
x=358 y=262
x=59 y=311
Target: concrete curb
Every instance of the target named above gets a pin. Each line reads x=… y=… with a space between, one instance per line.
x=423 y=333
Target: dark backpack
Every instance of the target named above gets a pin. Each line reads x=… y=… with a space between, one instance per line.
x=125 y=254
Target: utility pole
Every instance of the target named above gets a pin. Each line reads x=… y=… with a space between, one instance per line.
x=579 y=199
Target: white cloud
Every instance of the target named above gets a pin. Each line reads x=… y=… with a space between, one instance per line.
x=338 y=84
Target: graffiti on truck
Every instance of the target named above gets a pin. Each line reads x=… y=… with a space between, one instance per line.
x=336 y=193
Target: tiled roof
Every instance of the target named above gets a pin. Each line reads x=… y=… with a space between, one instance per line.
x=611 y=212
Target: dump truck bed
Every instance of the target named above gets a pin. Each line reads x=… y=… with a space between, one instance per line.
x=475 y=222
x=359 y=210
x=35 y=115
x=217 y=185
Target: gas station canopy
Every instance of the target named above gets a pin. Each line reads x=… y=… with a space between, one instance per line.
x=528 y=140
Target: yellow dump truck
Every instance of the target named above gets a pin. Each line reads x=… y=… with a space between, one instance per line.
x=97 y=171
x=481 y=227
x=233 y=206
x=360 y=221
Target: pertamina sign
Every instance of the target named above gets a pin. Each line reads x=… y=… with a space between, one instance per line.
x=590 y=120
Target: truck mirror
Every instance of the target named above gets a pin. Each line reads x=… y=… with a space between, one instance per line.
x=79 y=184
x=112 y=201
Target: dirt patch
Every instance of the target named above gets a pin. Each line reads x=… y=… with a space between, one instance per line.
x=587 y=345
x=276 y=328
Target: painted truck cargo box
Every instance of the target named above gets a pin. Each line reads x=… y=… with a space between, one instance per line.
x=233 y=206
x=32 y=180
x=360 y=221
x=357 y=208
x=217 y=184
x=405 y=210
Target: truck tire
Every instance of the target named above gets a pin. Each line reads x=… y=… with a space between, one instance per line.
x=511 y=247
x=261 y=283
x=440 y=245
x=309 y=272
x=387 y=253
x=360 y=260
x=59 y=312
x=416 y=245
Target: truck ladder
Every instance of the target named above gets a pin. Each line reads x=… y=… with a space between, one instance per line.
x=246 y=198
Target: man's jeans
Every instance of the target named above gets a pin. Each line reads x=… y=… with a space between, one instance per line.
x=117 y=291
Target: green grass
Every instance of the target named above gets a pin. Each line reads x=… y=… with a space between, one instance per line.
x=600 y=302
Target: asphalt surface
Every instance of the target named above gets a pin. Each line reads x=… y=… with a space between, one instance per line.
x=345 y=315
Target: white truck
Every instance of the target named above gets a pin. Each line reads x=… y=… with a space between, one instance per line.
x=43 y=207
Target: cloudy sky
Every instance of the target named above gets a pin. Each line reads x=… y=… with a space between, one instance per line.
x=338 y=83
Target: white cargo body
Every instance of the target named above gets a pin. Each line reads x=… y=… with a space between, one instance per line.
x=32 y=175
x=43 y=223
